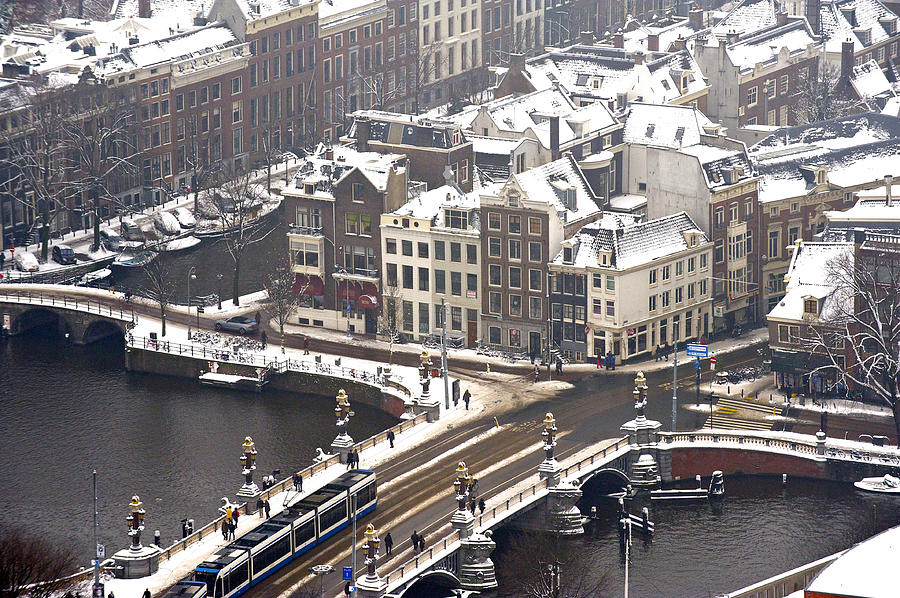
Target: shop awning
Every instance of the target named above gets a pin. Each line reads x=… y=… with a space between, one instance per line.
x=370 y=288
x=368 y=301
x=348 y=290
x=308 y=285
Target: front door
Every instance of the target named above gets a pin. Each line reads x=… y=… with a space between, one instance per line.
x=371 y=321
x=471 y=334
x=534 y=343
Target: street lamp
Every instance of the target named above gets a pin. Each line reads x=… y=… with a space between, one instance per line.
x=191 y=276
x=321 y=571
x=444 y=354
x=219 y=290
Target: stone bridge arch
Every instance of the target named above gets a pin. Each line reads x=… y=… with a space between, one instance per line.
x=101 y=328
x=604 y=481
x=433 y=584
x=82 y=327
x=26 y=317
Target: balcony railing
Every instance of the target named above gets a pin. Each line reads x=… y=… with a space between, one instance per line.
x=309 y=231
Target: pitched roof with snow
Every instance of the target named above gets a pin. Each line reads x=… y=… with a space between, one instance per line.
x=664 y=125
x=747 y=16
x=181 y=12
x=316 y=169
x=855 y=149
x=809 y=276
x=517 y=113
x=632 y=243
x=604 y=72
x=764 y=45
x=175 y=48
x=395 y=128
x=432 y=205
x=864 y=22
x=549 y=183
x=861 y=570
x=668 y=29
x=869 y=81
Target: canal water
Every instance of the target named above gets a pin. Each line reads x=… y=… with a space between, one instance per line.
x=703 y=549
x=67 y=410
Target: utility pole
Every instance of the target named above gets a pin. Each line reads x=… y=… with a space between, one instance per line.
x=353 y=544
x=697 y=365
x=549 y=328
x=444 y=355
x=674 y=389
x=98 y=589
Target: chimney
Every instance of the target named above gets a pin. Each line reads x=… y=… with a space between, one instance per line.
x=618 y=39
x=638 y=57
x=695 y=17
x=847 y=60
x=782 y=17
x=678 y=44
x=587 y=38
x=812 y=15
x=653 y=42
x=329 y=153
x=888 y=179
x=144 y=9
x=363 y=126
x=516 y=62
x=554 y=137
x=732 y=37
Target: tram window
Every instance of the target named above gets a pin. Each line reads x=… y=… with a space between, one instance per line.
x=365 y=495
x=333 y=516
x=272 y=553
x=304 y=533
x=208 y=578
x=237 y=577
x=219 y=588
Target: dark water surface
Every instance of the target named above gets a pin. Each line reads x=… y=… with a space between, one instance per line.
x=67 y=410
x=703 y=549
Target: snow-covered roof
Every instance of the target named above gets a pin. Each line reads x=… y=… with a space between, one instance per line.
x=863 y=570
x=869 y=81
x=747 y=16
x=863 y=22
x=809 y=276
x=431 y=205
x=324 y=173
x=870 y=212
x=764 y=45
x=630 y=242
x=403 y=129
x=494 y=145
x=182 y=12
x=855 y=150
x=548 y=183
x=332 y=11
x=665 y=125
x=669 y=30
x=604 y=72
x=517 y=113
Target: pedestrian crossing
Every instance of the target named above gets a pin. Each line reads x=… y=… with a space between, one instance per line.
x=726 y=416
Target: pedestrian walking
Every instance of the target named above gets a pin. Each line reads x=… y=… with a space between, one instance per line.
x=260 y=506
x=656 y=353
x=231 y=529
x=559 y=365
x=421 y=542
x=472 y=506
x=146 y=593
x=467 y=396
x=390 y=437
x=111 y=595
x=414 y=538
x=666 y=351
x=349 y=460
x=481 y=505
x=537 y=374
x=2 y=259
x=264 y=338
x=388 y=543
x=306 y=345
x=234 y=516
x=531 y=354
x=347 y=589
x=298 y=482
x=267 y=507
x=258 y=318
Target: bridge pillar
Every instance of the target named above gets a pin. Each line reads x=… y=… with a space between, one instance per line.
x=248 y=466
x=428 y=403
x=563 y=516
x=476 y=569
x=549 y=469
x=342 y=442
x=643 y=438
x=371 y=585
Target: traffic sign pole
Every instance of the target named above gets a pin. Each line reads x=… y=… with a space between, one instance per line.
x=675 y=388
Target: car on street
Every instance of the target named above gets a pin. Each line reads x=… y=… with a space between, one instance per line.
x=26 y=262
x=240 y=324
x=111 y=240
x=63 y=254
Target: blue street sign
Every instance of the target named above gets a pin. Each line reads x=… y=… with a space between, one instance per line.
x=347 y=574
x=697 y=364
x=697 y=350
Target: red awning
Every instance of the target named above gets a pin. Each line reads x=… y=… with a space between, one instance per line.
x=370 y=288
x=308 y=285
x=348 y=290
x=300 y=283
x=368 y=302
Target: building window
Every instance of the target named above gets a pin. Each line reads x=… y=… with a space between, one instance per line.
x=534 y=308
x=665 y=273
x=494 y=335
x=458 y=219
x=440 y=282
x=810 y=307
x=598 y=307
x=720 y=251
x=652 y=303
x=423 y=318
x=534 y=226
x=494 y=302
x=456 y=284
x=515 y=224
x=665 y=299
x=610 y=283
x=439 y=250
x=534 y=251
x=653 y=274
x=597 y=281
x=390 y=246
x=424 y=275
x=493 y=221
x=455 y=252
x=471 y=254
x=422 y=249
x=774 y=245
x=494 y=246
x=407 y=277
x=494 y=276
x=407 y=248
x=515 y=277
x=515 y=249
x=515 y=305
x=751 y=96
x=610 y=309
x=515 y=337
x=534 y=280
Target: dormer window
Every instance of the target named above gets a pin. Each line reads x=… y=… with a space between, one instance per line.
x=513 y=200
x=811 y=307
x=567 y=255
x=309 y=189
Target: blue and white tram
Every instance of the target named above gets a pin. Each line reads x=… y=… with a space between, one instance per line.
x=276 y=541
x=187 y=589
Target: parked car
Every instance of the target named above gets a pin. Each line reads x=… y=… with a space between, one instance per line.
x=26 y=262
x=185 y=218
x=63 y=254
x=111 y=240
x=240 y=324
x=166 y=223
x=131 y=230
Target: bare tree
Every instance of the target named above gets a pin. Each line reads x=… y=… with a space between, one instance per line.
x=389 y=320
x=860 y=334
x=822 y=95
x=197 y=159
x=34 y=155
x=532 y=561
x=160 y=288
x=103 y=143
x=236 y=205
x=426 y=64
x=31 y=566
x=283 y=300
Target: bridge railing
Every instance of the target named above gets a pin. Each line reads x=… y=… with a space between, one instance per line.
x=834 y=449
x=505 y=503
x=81 y=304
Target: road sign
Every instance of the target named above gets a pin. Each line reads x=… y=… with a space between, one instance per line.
x=101 y=551
x=697 y=350
x=712 y=363
x=347 y=573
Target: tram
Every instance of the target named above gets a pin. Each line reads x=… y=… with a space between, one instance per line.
x=276 y=541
